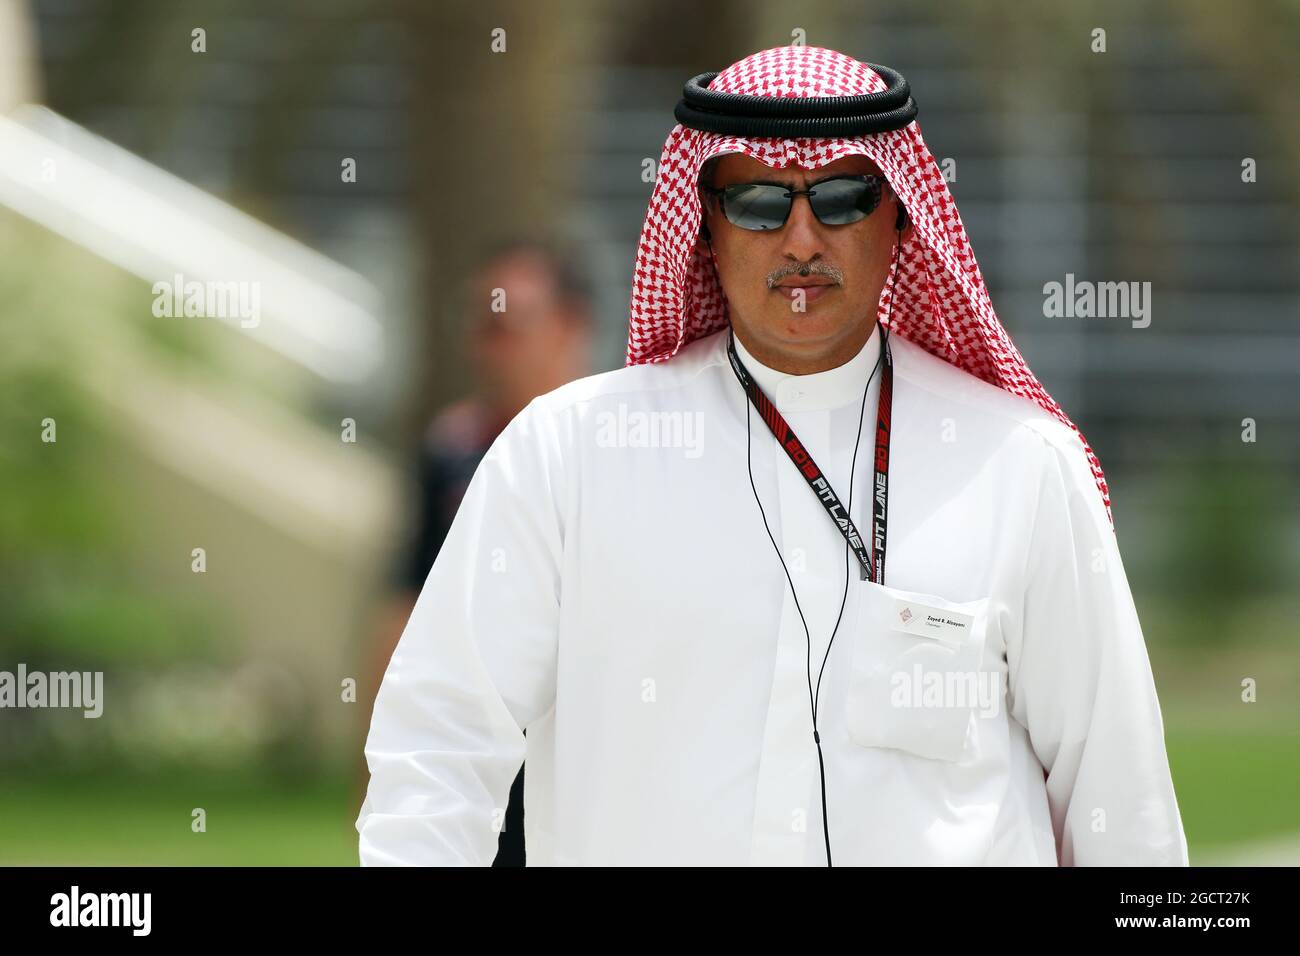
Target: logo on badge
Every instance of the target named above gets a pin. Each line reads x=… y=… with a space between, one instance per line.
x=905 y=614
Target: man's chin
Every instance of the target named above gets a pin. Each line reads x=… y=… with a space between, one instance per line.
x=806 y=331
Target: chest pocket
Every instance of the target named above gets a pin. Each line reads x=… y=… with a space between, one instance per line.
x=916 y=683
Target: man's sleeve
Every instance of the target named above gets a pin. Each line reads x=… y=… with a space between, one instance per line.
x=1080 y=682
x=474 y=666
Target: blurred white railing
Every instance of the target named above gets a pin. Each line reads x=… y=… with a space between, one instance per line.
x=314 y=312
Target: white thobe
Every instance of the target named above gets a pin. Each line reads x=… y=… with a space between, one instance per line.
x=608 y=585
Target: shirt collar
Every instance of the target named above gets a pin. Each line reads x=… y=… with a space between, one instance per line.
x=829 y=389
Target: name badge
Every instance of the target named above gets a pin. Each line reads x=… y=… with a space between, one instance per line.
x=922 y=620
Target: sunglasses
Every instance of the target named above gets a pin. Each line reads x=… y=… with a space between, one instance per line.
x=835 y=202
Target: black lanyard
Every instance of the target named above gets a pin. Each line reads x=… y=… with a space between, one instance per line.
x=873 y=564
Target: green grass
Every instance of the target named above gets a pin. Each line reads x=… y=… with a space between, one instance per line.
x=132 y=821
x=1233 y=787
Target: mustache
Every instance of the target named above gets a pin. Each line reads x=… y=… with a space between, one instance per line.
x=805 y=269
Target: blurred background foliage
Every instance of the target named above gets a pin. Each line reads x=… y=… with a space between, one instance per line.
x=228 y=688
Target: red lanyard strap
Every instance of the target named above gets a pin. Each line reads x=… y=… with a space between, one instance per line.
x=873 y=564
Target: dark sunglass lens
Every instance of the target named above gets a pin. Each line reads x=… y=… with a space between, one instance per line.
x=755 y=206
x=838 y=202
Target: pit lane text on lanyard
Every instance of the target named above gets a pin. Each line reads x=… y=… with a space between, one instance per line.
x=873 y=564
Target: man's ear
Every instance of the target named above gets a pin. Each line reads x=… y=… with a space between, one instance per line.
x=901 y=220
x=706 y=202
x=704 y=246
x=704 y=238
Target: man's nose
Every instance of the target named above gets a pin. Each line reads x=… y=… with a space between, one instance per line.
x=802 y=236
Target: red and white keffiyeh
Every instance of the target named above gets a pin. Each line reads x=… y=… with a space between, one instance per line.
x=943 y=305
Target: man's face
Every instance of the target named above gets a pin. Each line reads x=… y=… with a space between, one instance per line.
x=531 y=346
x=777 y=311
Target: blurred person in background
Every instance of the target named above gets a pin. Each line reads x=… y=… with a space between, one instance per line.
x=529 y=331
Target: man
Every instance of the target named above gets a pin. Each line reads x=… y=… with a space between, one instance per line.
x=722 y=649
x=529 y=332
